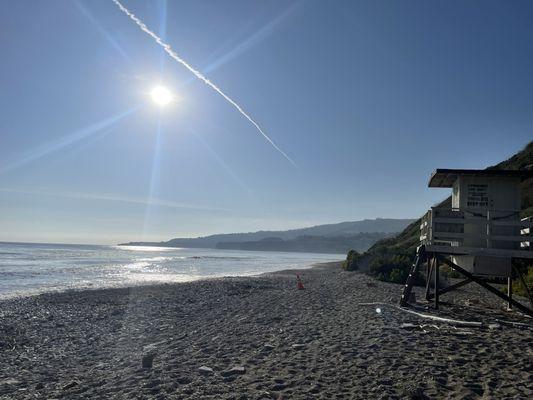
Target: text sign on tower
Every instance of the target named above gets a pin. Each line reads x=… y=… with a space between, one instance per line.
x=478 y=195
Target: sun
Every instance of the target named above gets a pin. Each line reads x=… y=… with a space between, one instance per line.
x=161 y=96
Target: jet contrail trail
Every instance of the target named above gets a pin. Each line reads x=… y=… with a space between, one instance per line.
x=198 y=74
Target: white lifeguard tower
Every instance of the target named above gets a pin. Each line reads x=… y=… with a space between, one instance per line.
x=479 y=236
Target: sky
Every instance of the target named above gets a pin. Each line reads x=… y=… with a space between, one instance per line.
x=366 y=97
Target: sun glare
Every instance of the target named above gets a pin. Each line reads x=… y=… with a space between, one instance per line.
x=161 y=96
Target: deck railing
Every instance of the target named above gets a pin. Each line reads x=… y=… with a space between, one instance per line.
x=491 y=229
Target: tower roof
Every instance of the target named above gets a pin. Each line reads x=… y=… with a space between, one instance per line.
x=445 y=178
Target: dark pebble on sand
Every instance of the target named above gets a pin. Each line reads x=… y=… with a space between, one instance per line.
x=234 y=371
x=70 y=385
x=148 y=360
x=183 y=380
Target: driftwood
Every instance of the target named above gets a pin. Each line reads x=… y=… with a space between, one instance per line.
x=455 y=322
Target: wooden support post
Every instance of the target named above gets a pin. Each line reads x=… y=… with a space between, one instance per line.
x=428 y=277
x=489 y=230
x=510 y=292
x=436 y=268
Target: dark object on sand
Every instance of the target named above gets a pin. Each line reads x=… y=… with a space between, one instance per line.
x=205 y=370
x=148 y=360
x=412 y=390
x=300 y=285
x=418 y=394
x=412 y=297
x=234 y=371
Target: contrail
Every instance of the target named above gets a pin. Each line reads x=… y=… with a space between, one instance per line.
x=198 y=74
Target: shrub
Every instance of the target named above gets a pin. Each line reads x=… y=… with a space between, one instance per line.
x=394 y=268
x=397 y=275
x=449 y=272
x=350 y=264
x=518 y=287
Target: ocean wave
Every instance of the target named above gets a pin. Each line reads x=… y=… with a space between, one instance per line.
x=145 y=248
x=138 y=264
x=17 y=274
x=230 y=258
x=161 y=278
x=159 y=259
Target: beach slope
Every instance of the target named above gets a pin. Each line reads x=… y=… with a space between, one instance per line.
x=260 y=338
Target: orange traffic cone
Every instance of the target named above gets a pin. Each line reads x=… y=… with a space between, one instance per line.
x=299 y=282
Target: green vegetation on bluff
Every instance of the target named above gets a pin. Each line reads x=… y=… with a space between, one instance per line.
x=351 y=262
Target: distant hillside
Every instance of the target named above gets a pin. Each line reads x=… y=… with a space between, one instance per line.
x=328 y=238
x=398 y=252
x=310 y=244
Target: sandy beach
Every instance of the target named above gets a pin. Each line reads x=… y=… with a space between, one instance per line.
x=261 y=338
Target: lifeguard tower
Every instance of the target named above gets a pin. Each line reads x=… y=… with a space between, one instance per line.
x=480 y=236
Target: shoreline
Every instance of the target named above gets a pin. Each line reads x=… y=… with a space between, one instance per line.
x=259 y=338
x=37 y=292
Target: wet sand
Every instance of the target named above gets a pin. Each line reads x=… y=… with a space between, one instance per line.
x=261 y=338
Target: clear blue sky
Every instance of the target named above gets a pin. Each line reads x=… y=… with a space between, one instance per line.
x=366 y=97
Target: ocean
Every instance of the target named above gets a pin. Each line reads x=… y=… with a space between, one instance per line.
x=31 y=268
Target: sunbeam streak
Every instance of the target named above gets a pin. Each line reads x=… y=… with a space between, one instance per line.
x=114 y=198
x=49 y=148
x=154 y=178
x=221 y=56
x=252 y=40
x=223 y=164
x=199 y=75
x=101 y=29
